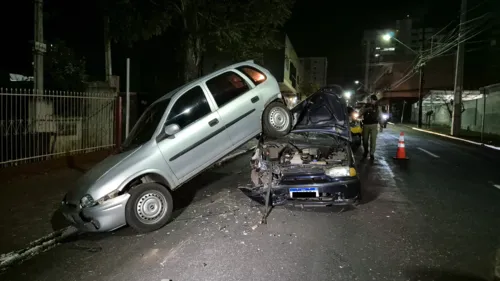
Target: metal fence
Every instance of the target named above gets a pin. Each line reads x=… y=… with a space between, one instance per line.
x=38 y=126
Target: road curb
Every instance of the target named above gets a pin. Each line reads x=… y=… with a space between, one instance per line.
x=450 y=137
x=36 y=247
x=455 y=138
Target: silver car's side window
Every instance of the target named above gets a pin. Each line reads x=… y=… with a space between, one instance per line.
x=226 y=87
x=253 y=74
x=190 y=107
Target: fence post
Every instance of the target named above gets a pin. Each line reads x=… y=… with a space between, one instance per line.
x=118 y=121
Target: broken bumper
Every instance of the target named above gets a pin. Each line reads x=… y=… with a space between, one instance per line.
x=341 y=192
x=99 y=218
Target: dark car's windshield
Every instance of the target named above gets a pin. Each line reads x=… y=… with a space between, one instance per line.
x=146 y=126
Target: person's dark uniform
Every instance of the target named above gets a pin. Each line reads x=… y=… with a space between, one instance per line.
x=371 y=121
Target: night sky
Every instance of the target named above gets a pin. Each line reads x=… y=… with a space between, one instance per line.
x=317 y=28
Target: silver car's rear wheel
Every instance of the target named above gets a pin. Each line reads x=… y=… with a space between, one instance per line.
x=276 y=120
x=279 y=118
x=149 y=207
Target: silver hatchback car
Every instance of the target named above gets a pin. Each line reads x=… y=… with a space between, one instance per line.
x=178 y=136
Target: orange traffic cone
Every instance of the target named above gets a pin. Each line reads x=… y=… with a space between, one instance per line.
x=401 y=153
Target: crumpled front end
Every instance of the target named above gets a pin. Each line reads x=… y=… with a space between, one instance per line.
x=305 y=175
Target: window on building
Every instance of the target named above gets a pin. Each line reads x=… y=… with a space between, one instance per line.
x=190 y=107
x=253 y=74
x=226 y=87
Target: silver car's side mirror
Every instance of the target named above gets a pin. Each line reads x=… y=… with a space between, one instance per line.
x=172 y=129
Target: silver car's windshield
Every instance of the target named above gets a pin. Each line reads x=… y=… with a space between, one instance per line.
x=146 y=125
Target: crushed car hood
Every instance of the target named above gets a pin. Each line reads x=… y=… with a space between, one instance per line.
x=324 y=111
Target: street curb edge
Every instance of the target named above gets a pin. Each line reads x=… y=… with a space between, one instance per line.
x=454 y=138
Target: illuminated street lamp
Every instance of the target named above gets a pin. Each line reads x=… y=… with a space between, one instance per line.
x=356 y=82
x=347 y=95
x=390 y=35
x=387 y=37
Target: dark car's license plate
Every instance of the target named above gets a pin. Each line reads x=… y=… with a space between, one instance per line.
x=304 y=192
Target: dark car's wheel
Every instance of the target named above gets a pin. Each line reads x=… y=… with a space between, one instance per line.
x=277 y=120
x=149 y=207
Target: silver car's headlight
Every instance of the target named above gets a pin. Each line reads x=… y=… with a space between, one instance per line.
x=108 y=196
x=87 y=201
x=341 y=172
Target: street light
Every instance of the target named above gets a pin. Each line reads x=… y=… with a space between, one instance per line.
x=390 y=35
x=356 y=82
x=347 y=94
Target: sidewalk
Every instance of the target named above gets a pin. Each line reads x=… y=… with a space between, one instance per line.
x=470 y=136
x=31 y=197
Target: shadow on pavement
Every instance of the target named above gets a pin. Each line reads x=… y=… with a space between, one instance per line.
x=440 y=275
x=58 y=221
x=368 y=172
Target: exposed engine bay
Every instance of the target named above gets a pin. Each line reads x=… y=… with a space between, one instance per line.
x=286 y=158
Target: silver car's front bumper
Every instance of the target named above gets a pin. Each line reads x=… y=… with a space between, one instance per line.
x=99 y=218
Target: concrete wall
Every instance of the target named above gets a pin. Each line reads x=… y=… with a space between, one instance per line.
x=473 y=114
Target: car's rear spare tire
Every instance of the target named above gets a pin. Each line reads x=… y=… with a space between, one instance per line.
x=276 y=120
x=149 y=207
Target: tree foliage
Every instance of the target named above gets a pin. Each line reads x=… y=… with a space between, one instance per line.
x=134 y=20
x=64 y=70
x=242 y=28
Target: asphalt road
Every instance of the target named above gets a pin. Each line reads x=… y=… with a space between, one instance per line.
x=435 y=218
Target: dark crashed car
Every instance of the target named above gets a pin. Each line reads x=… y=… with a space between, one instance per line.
x=313 y=165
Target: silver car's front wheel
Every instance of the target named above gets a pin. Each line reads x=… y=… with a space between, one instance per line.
x=149 y=207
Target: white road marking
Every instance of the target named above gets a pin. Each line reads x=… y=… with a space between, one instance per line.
x=428 y=152
x=394 y=137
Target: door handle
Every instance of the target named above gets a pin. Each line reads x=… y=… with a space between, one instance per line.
x=255 y=99
x=213 y=122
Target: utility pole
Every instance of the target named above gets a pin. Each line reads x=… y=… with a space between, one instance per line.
x=107 y=51
x=421 y=86
x=367 y=65
x=456 y=120
x=39 y=48
x=127 y=100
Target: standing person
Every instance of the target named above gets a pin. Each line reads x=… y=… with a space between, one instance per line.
x=371 y=121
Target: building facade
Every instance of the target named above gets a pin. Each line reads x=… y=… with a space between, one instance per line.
x=284 y=64
x=314 y=70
